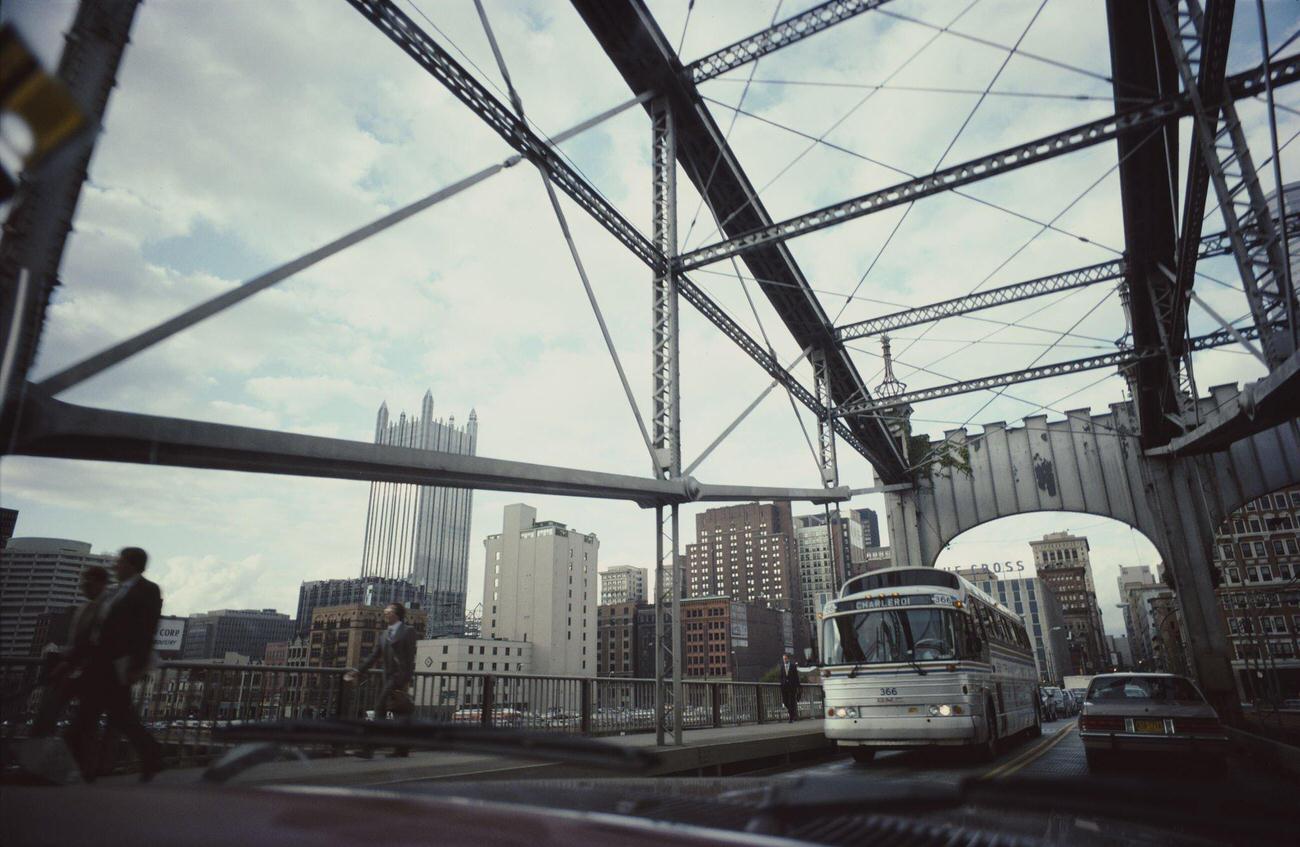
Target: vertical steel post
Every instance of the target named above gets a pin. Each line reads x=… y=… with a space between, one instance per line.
x=1288 y=282
x=826 y=423
x=665 y=396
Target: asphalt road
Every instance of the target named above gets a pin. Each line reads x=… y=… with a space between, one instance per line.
x=1058 y=753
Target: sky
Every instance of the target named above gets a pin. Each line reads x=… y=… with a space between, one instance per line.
x=244 y=134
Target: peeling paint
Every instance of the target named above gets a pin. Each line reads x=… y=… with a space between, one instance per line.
x=1044 y=475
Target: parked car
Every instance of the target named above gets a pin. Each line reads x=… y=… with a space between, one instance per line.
x=1059 y=702
x=1148 y=713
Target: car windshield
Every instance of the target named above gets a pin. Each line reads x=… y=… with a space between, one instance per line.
x=1143 y=688
x=893 y=635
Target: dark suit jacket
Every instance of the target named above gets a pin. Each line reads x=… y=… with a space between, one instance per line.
x=128 y=627
x=395 y=656
x=790 y=679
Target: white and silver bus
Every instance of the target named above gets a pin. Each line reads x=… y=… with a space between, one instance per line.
x=914 y=657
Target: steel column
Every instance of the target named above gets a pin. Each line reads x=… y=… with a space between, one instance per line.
x=826 y=423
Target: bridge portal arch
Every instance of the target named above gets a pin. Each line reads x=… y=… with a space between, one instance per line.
x=1094 y=464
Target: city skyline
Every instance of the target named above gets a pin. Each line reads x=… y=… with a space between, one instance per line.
x=319 y=353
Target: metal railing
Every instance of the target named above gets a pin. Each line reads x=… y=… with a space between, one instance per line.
x=182 y=702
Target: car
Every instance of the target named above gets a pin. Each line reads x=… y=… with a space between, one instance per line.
x=1046 y=705
x=1059 y=701
x=1149 y=714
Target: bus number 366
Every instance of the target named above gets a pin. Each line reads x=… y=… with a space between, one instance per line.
x=889 y=692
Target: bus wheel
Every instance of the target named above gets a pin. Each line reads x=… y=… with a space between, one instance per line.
x=863 y=755
x=988 y=751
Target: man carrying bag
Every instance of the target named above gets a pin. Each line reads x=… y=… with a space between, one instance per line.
x=395 y=654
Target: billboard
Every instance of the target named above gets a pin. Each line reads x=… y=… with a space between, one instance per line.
x=169 y=635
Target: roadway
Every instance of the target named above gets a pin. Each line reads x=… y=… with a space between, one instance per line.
x=1058 y=753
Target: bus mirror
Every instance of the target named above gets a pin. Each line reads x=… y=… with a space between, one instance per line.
x=807 y=654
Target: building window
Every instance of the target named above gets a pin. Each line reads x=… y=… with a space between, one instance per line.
x=444 y=666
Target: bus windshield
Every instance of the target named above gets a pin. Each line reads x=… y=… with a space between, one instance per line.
x=893 y=635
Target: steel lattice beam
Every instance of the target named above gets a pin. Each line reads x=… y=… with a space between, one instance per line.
x=1248 y=84
x=1120 y=359
x=642 y=54
x=781 y=34
x=1216 y=244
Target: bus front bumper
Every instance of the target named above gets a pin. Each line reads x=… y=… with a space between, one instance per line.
x=901 y=731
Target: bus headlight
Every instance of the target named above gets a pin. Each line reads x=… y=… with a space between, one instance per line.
x=846 y=712
x=943 y=711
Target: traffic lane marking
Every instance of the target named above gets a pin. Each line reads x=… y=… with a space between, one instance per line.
x=1030 y=755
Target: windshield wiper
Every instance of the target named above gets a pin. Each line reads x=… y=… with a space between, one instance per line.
x=515 y=743
x=912 y=661
x=853 y=674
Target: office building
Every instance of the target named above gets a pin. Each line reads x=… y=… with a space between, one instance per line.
x=420 y=533
x=345 y=636
x=474 y=622
x=736 y=641
x=864 y=533
x=1257 y=554
x=366 y=591
x=1062 y=561
x=747 y=552
x=539 y=586
x=8 y=523
x=645 y=643
x=823 y=556
x=616 y=640
x=473 y=655
x=1131 y=579
x=623 y=584
x=872 y=559
x=1121 y=654
x=246 y=632
x=1042 y=613
x=39 y=575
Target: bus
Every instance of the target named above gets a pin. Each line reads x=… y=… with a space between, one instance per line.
x=916 y=657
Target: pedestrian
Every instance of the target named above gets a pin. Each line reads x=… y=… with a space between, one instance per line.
x=395 y=654
x=68 y=662
x=790 y=686
x=119 y=653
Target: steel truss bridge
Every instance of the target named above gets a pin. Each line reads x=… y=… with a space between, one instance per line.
x=1169 y=61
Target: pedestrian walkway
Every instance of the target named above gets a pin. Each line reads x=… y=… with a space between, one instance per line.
x=703 y=752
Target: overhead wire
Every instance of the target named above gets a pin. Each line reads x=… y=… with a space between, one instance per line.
x=930 y=89
x=898 y=224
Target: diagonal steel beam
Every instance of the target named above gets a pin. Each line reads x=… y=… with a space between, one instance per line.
x=501 y=118
x=1248 y=84
x=780 y=34
x=1216 y=244
x=1120 y=358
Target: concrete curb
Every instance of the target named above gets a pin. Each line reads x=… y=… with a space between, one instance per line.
x=1276 y=753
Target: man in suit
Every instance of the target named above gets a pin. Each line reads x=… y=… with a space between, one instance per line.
x=790 y=686
x=121 y=645
x=66 y=664
x=395 y=655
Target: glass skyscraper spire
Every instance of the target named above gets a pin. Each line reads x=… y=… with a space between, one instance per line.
x=420 y=533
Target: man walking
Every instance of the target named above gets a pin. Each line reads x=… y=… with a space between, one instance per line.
x=118 y=656
x=395 y=654
x=790 y=686
x=68 y=662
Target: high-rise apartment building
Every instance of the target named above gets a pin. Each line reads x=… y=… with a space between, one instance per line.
x=1257 y=554
x=623 y=584
x=39 y=575
x=539 y=586
x=244 y=631
x=366 y=590
x=420 y=533
x=1062 y=562
x=824 y=552
x=1038 y=607
x=747 y=552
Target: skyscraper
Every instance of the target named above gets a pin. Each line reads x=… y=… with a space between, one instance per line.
x=420 y=533
x=623 y=584
x=748 y=553
x=1062 y=562
x=39 y=575
x=366 y=590
x=824 y=555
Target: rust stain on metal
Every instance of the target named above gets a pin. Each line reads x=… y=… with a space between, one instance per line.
x=1044 y=475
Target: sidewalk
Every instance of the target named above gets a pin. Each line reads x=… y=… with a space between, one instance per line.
x=703 y=752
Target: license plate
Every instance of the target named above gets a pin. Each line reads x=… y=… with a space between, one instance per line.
x=1157 y=727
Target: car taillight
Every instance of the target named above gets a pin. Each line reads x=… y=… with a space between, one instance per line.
x=1196 y=725
x=1094 y=723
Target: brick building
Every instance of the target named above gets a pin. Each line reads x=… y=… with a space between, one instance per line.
x=729 y=640
x=1062 y=562
x=616 y=640
x=343 y=636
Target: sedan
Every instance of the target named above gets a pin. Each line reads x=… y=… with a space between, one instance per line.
x=1148 y=713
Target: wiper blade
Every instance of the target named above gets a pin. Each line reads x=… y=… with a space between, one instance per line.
x=912 y=661
x=853 y=674
x=428 y=735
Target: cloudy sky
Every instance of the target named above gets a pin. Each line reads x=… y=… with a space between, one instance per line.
x=243 y=134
